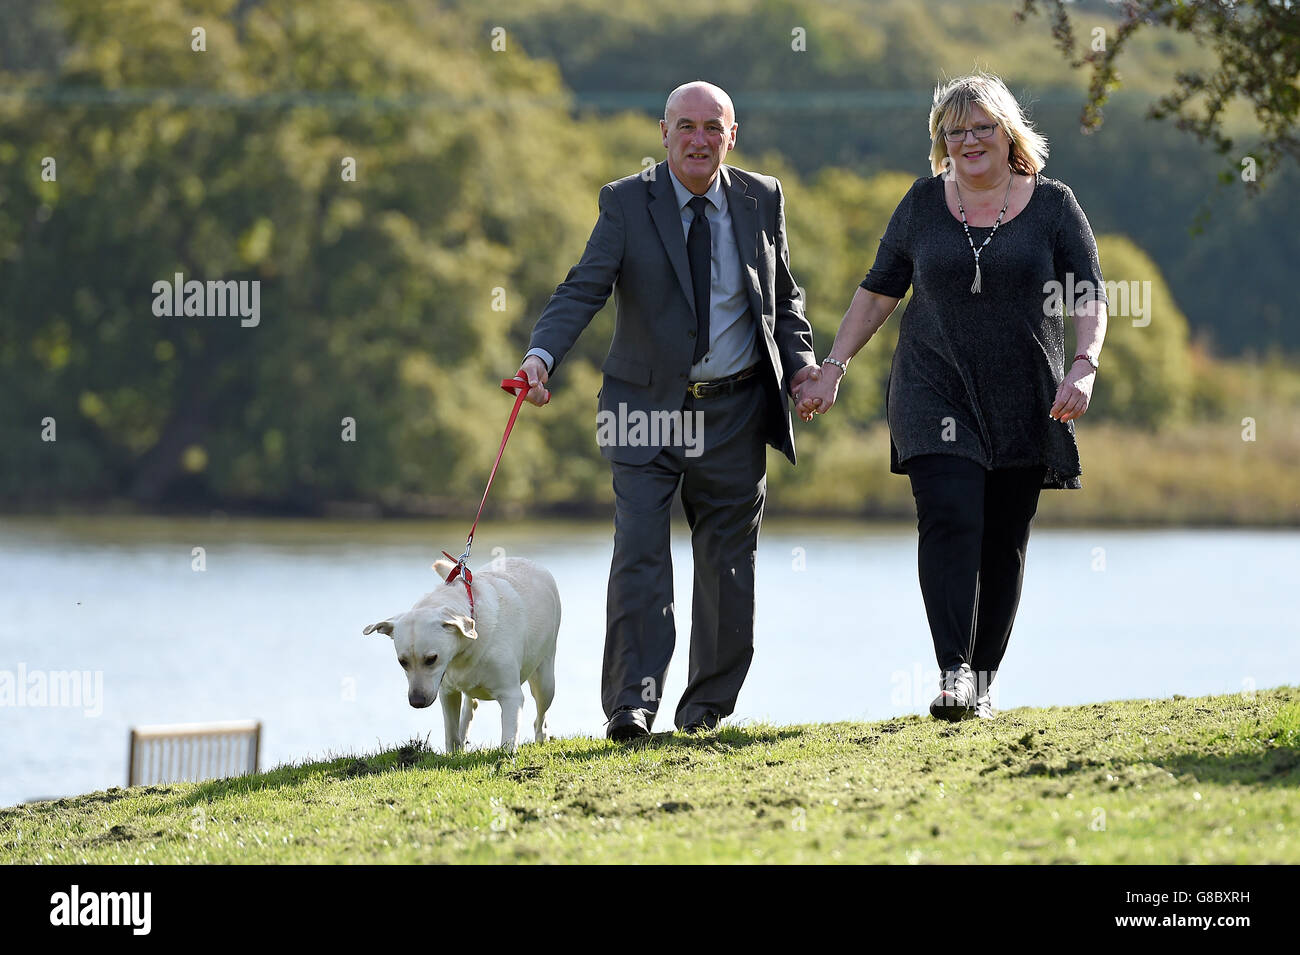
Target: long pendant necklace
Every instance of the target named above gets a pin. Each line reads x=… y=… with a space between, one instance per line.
x=975 y=286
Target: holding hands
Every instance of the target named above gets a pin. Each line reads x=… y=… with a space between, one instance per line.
x=801 y=380
x=816 y=390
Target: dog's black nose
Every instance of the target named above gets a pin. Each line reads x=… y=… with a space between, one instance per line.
x=418 y=701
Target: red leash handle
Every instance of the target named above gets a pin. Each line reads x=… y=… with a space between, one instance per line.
x=518 y=386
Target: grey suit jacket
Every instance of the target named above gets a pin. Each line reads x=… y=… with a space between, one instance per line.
x=637 y=250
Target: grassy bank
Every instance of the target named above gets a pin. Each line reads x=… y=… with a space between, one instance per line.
x=1200 y=780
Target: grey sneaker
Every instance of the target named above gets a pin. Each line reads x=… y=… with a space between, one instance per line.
x=956 y=699
x=984 y=708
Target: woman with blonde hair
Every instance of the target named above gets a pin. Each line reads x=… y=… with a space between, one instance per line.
x=982 y=398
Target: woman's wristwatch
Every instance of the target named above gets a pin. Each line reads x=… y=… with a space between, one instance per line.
x=843 y=366
x=1088 y=358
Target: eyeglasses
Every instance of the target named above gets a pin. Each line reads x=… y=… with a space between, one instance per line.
x=959 y=135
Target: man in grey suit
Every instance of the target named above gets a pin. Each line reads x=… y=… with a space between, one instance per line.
x=710 y=337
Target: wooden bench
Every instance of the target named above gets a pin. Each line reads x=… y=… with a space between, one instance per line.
x=192 y=752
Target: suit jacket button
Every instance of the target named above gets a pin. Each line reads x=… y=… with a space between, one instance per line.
x=691 y=333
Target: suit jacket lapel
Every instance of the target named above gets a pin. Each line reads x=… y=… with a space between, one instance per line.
x=743 y=209
x=667 y=216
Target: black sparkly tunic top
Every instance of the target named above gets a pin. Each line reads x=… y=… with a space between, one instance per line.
x=975 y=373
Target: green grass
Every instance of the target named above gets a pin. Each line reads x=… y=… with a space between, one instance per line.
x=1202 y=780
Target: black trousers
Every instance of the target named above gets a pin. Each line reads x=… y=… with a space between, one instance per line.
x=723 y=490
x=973 y=526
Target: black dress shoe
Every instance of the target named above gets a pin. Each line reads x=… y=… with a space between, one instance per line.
x=627 y=723
x=705 y=724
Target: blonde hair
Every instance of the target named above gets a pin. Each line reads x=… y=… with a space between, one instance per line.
x=952 y=107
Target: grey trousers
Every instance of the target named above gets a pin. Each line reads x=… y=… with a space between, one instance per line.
x=723 y=490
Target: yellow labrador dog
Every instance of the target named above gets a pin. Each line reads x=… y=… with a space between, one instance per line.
x=510 y=641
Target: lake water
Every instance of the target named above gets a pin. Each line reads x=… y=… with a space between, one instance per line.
x=271 y=629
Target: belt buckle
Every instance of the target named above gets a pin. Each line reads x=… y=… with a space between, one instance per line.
x=693 y=389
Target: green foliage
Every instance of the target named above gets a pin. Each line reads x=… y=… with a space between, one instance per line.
x=1256 y=49
x=376 y=295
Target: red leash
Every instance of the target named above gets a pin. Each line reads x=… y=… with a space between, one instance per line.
x=518 y=386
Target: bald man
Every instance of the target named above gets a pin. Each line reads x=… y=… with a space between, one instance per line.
x=710 y=339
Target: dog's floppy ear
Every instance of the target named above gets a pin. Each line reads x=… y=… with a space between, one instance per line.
x=383 y=626
x=443 y=567
x=464 y=624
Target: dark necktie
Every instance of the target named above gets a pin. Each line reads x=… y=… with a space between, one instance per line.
x=699 y=250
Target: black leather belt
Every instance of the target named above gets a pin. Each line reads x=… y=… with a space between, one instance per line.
x=720 y=386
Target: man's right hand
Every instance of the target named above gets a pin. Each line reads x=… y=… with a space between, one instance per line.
x=534 y=369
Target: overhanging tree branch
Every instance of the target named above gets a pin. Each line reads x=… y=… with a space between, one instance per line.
x=1256 y=44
